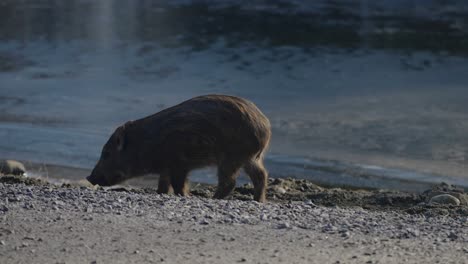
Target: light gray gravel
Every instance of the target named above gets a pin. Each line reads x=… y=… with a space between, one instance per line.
x=78 y=225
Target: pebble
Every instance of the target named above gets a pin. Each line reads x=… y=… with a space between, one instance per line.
x=339 y=222
x=284 y=225
x=444 y=199
x=3 y=208
x=413 y=232
x=452 y=236
x=345 y=234
x=278 y=189
x=204 y=222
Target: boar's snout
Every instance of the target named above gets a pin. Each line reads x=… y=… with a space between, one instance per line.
x=91 y=180
x=97 y=180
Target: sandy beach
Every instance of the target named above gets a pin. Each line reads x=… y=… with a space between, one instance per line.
x=71 y=223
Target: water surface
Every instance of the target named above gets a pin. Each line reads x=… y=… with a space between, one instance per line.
x=358 y=92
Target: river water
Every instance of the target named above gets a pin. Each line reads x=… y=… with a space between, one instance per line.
x=360 y=93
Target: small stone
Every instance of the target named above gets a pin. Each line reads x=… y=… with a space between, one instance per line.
x=12 y=167
x=330 y=228
x=243 y=260
x=204 y=222
x=413 y=232
x=279 y=189
x=345 y=234
x=444 y=199
x=284 y=225
x=452 y=236
x=136 y=252
x=2 y=242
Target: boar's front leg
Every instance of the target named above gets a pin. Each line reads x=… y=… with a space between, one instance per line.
x=179 y=181
x=164 y=184
x=227 y=174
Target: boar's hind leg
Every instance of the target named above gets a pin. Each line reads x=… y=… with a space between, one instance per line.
x=259 y=177
x=164 y=184
x=227 y=173
x=179 y=181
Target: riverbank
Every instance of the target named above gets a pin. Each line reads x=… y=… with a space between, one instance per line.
x=77 y=224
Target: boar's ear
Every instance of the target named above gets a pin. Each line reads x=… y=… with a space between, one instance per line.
x=122 y=135
x=121 y=138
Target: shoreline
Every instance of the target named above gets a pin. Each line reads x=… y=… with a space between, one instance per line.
x=286 y=190
x=77 y=224
x=327 y=173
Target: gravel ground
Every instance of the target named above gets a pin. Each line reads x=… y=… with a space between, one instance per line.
x=55 y=224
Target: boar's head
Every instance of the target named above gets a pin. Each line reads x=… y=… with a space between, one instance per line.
x=115 y=163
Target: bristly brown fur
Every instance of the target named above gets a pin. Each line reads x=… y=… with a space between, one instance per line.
x=226 y=131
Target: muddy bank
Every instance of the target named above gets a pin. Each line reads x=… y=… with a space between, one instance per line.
x=286 y=190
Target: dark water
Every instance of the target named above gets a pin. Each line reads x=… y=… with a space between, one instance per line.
x=362 y=93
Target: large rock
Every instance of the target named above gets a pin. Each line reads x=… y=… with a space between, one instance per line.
x=444 y=199
x=446 y=189
x=11 y=167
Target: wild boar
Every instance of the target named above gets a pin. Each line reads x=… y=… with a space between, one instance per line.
x=212 y=130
